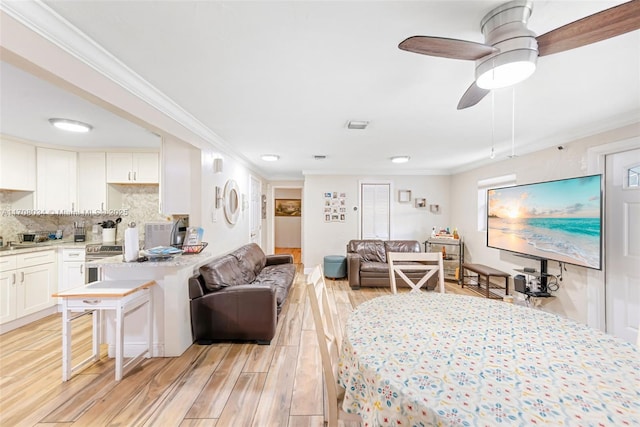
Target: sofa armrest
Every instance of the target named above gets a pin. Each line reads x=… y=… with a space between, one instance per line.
x=245 y=312
x=279 y=259
x=353 y=269
x=197 y=288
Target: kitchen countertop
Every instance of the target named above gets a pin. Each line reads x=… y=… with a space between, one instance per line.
x=43 y=246
x=179 y=261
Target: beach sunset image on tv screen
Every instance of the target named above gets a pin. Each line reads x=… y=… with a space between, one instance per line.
x=556 y=220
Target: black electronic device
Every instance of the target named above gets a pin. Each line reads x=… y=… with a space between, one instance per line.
x=539 y=294
x=179 y=231
x=520 y=284
x=529 y=270
x=557 y=220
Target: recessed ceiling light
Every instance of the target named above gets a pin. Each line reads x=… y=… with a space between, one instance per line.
x=357 y=124
x=70 y=125
x=270 y=157
x=400 y=159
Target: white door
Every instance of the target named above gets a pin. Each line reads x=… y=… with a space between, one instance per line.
x=622 y=244
x=256 y=211
x=374 y=211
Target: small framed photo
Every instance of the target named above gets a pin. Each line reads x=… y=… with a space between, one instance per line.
x=404 y=196
x=421 y=202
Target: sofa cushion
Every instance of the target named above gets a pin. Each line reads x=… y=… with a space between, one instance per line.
x=222 y=272
x=369 y=250
x=401 y=246
x=375 y=267
x=279 y=277
x=251 y=259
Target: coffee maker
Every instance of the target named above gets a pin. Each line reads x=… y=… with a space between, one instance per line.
x=179 y=231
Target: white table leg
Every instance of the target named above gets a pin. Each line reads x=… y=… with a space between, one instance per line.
x=149 y=322
x=119 y=340
x=66 y=343
x=96 y=334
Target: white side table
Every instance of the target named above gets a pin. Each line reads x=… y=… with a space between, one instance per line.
x=122 y=296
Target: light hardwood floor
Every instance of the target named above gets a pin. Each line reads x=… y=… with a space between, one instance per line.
x=226 y=384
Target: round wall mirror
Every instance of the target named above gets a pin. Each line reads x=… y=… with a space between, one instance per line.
x=231 y=201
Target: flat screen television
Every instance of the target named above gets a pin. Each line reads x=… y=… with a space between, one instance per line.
x=555 y=220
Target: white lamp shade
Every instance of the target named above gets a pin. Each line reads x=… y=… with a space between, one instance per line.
x=506 y=69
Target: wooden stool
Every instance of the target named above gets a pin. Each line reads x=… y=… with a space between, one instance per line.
x=483 y=271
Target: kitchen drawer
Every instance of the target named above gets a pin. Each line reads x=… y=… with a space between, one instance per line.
x=8 y=263
x=35 y=258
x=73 y=255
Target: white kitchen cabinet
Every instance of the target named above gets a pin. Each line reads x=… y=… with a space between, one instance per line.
x=92 y=181
x=181 y=162
x=133 y=168
x=72 y=272
x=8 y=282
x=56 y=189
x=37 y=280
x=27 y=288
x=17 y=165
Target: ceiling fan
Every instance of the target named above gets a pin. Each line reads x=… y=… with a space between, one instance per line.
x=511 y=50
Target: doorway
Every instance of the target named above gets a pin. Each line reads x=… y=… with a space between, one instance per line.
x=287 y=222
x=256 y=210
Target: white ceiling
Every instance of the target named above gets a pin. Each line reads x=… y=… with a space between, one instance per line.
x=28 y=102
x=284 y=77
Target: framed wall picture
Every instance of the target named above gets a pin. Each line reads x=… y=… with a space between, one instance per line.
x=404 y=196
x=335 y=207
x=288 y=207
x=421 y=202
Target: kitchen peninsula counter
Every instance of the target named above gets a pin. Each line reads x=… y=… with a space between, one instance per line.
x=171 y=313
x=179 y=261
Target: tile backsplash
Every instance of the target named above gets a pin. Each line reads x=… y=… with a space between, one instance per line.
x=139 y=204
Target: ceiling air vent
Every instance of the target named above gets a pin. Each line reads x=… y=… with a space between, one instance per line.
x=319 y=157
x=357 y=124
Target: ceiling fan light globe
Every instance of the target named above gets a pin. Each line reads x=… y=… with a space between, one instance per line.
x=506 y=69
x=506 y=75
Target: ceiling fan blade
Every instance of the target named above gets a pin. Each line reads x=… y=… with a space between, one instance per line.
x=591 y=29
x=472 y=96
x=446 y=48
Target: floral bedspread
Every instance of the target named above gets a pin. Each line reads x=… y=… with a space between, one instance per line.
x=434 y=359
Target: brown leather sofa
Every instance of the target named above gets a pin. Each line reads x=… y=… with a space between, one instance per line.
x=239 y=296
x=367 y=263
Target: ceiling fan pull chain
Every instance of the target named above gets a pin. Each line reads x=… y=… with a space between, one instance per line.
x=493 y=125
x=513 y=121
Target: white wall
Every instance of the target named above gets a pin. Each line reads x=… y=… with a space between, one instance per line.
x=572 y=298
x=221 y=235
x=407 y=222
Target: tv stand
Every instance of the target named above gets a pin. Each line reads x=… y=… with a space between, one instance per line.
x=542 y=276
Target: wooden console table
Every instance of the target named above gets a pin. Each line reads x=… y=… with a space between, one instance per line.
x=123 y=297
x=483 y=276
